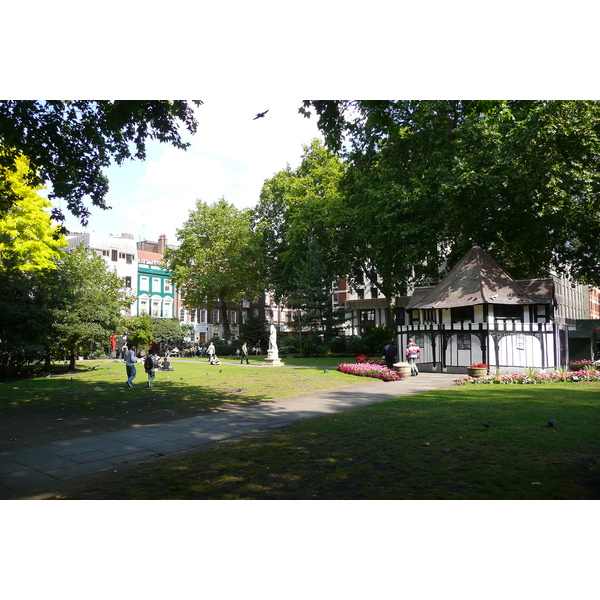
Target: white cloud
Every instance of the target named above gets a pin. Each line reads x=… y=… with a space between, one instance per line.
x=231 y=155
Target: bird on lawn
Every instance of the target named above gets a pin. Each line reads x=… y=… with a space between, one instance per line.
x=486 y=425
x=260 y=115
x=551 y=422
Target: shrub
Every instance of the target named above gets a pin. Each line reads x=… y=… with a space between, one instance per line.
x=338 y=344
x=355 y=345
x=313 y=346
x=223 y=348
x=289 y=345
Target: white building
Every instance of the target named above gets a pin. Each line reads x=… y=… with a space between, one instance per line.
x=118 y=252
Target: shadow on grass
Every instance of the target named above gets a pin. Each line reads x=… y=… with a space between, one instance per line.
x=427 y=446
x=36 y=411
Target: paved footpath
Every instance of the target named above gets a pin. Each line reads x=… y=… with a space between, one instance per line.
x=36 y=467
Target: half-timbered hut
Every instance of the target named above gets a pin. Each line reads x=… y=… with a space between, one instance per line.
x=479 y=314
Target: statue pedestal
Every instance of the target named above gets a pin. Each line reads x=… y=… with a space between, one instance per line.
x=272 y=359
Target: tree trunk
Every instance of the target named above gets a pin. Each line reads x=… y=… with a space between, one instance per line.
x=226 y=328
x=73 y=359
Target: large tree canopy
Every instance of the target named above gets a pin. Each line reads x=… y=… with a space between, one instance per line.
x=69 y=143
x=300 y=209
x=87 y=298
x=427 y=179
x=301 y=213
x=219 y=259
x=28 y=239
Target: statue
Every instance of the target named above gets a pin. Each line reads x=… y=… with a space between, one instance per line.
x=273 y=352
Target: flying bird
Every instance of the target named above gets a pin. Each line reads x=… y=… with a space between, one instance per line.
x=260 y=115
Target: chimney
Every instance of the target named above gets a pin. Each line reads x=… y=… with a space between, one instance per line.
x=162 y=243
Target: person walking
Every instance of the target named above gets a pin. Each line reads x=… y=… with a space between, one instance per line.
x=412 y=353
x=150 y=366
x=244 y=354
x=210 y=352
x=389 y=353
x=130 y=360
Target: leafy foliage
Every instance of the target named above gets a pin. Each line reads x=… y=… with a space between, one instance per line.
x=168 y=333
x=254 y=330
x=86 y=304
x=300 y=210
x=427 y=179
x=220 y=257
x=25 y=320
x=139 y=330
x=69 y=143
x=28 y=239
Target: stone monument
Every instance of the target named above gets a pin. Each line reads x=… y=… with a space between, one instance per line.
x=273 y=353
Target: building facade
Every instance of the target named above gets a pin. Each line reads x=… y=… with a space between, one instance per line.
x=119 y=252
x=156 y=295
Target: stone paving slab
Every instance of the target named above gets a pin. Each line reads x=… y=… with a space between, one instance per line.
x=64 y=459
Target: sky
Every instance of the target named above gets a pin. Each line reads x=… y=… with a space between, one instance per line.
x=230 y=156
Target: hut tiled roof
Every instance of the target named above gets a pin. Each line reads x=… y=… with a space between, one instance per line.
x=478 y=279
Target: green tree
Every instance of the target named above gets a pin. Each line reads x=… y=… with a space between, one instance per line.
x=25 y=321
x=312 y=292
x=69 y=143
x=301 y=215
x=139 y=330
x=254 y=330
x=28 y=239
x=29 y=248
x=220 y=258
x=86 y=301
x=427 y=179
x=168 y=333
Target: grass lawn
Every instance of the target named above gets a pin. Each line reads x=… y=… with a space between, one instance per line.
x=95 y=398
x=427 y=446
x=332 y=361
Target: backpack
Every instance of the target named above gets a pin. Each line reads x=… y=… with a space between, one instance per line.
x=148 y=363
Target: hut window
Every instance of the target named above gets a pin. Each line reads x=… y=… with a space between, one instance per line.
x=507 y=312
x=462 y=314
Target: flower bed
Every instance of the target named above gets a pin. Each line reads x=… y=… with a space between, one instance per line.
x=369 y=370
x=581 y=365
x=532 y=378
